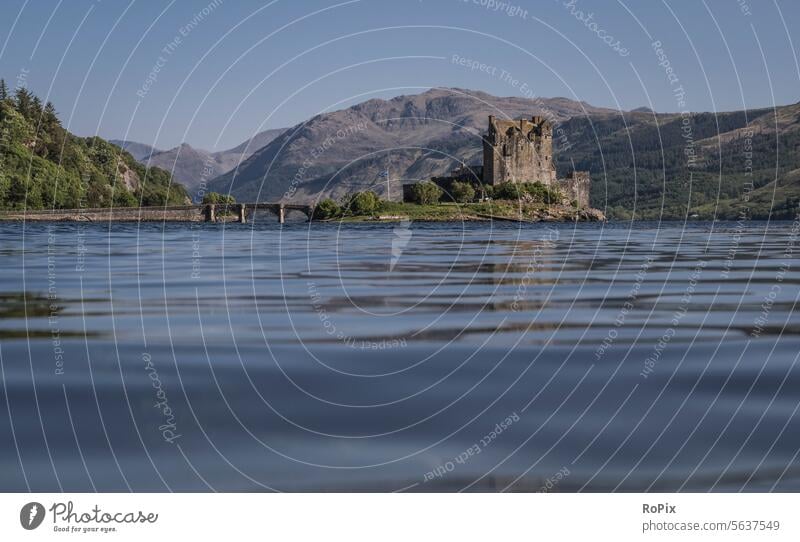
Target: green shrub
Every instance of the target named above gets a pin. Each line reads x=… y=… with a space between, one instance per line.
x=426 y=193
x=507 y=191
x=364 y=203
x=535 y=191
x=462 y=192
x=327 y=209
x=215 y=197
x=123 y=198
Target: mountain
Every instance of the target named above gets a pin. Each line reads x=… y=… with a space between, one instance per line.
x=250 y=146
x=139 y=151
x=186 y=165
x=414 y=137
x=45 y=166
x=724 y=165
x=658 y=165
x=190 y=166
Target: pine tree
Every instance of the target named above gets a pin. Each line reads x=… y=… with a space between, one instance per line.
x=23 y=102
x=3 y=90
x=36 y=106
x=54 y=133
x=50 y=115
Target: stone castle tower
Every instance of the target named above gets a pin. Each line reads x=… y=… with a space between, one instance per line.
x=518 y=151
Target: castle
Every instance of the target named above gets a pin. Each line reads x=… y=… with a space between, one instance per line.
x=519 y=151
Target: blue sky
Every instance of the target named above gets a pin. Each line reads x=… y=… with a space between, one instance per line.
x=246 y=66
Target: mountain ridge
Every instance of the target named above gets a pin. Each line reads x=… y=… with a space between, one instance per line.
x=190 y=165
x=415 y=136
x=638 y=159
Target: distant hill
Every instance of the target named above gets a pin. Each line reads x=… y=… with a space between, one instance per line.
x=638 y=159
x=414 y=137
x=250 y=146
x=187 y=163
x=42 y=165
x=734 y=153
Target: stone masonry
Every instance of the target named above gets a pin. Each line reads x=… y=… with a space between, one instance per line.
x=518 y=151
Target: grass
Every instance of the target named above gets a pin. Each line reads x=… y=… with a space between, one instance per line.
x=452 y=211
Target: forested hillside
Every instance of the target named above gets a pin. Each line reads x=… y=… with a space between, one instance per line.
x=44 y=166
x=704 y=165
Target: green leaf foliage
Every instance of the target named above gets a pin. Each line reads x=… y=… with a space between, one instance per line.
x=536 y=192
x=462 y=192
x=44 y=166
x=216 y=197
x=426 y=193
x=364 y=203
x=327 y=209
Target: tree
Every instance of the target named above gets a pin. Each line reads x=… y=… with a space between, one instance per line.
x=50 y=115
x=13 y=126
x=123 y=198
x=364 y=203
x=19 y=197
x=51 y=126
x=426 y=193
x=3 y=90
x=327 y=209
x=462 y=192
x=36 y=107
x=23 y=102
x=507 y=191
x=88 y=170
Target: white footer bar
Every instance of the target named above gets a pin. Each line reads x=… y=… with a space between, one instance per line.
x=390 y=517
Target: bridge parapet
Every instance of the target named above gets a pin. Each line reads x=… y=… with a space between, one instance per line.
x=241 y=210
x=176 y=213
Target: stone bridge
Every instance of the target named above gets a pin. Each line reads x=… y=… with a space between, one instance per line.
x=235 y=212
x=241 y=211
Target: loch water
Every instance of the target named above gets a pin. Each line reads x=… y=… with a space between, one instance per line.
x=409 y=356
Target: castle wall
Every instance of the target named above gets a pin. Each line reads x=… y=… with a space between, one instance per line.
x=576 y=187
x=518 y=151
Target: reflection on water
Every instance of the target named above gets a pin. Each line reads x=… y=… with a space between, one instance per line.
x=389 y=357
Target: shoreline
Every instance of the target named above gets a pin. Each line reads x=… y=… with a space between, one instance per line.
x=392 y=212
x=499 y=210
